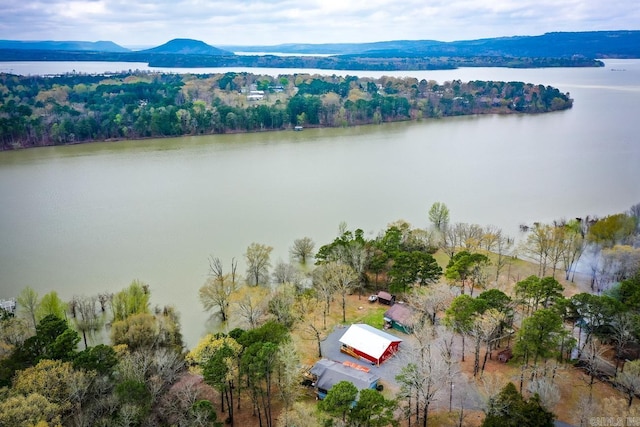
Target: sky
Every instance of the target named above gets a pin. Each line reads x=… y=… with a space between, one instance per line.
x=271 y=22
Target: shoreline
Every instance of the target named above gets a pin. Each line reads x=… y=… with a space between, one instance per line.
x=285 y=129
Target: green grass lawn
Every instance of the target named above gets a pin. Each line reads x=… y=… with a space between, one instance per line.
x=373 y=316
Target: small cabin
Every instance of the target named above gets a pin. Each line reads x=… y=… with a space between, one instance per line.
x=505 y=355
x=400 y=317
x=386 y=298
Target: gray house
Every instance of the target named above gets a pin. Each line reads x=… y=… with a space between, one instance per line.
x=327 y=373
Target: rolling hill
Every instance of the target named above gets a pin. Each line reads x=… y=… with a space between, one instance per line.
x=187 y=47
x=591 y=44
x=99 y=46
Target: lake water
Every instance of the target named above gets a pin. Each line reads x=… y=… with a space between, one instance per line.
x=91 y=218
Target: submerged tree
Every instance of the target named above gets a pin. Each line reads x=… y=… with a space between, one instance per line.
x=28 y=302
x=302 y=250
x=51 y=304
x=258 y=264
x=439 y=216
x=86 y=317
x=132 y=300
x=216 y=292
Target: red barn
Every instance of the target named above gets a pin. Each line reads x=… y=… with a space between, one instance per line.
x=366 y=342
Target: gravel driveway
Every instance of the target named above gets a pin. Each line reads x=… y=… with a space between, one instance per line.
x=388 y=370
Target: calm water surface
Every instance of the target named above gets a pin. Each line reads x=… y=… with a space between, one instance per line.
x=90 y=218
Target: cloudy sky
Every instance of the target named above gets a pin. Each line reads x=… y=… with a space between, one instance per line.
x=267 y=22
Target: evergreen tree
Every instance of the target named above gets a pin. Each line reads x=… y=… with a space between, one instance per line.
x=510 y=409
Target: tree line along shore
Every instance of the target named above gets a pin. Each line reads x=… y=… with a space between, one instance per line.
x=574 y=352
x=75 y=108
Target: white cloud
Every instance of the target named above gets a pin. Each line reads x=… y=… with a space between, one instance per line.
x=254 y=22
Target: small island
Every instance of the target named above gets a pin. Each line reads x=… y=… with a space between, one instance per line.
x=74 y=108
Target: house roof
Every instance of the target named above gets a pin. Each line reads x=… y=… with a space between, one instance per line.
x=330 y=373
x=385 y=295
x=401 y=313
x=368 y=339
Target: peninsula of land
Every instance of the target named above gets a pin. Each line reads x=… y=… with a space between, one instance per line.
x=75 y=108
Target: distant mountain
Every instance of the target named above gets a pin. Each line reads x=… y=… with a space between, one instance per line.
x=99 y=46
x=577 y=49
x=187 y=47
x=566 y=45
x=592 y=44
x=333 y=48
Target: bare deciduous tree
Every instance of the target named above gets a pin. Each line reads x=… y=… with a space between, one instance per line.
x=548 y=391
x=282 y=304
x=324 y=288
x=453 y=367
x=302 y=250
x=439 y=216
x=28 y=302
x=538 y=246
x=287 y=273
x=289 y=374
x=258 y=264
x=343 y=279
x=251 y=305
x=483 y=330
x=622 y=329
x=216 y=292
x=574 y=246
x=428 y=302
x=629 y=380
x=86 y=317
x=423 y=376
x=504 y=253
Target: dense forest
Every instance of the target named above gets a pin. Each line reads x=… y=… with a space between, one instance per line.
x=574 y=351
x=72 y=108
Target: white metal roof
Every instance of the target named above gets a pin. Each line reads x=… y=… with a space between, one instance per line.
x=368 y=339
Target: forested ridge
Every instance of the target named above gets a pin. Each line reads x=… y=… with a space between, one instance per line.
x=73 y=108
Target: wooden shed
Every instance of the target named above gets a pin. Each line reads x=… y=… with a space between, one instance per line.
x=386 y=298
x=400 y=317
x=505 y=355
